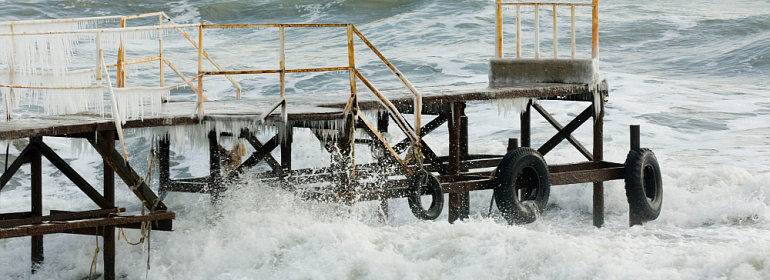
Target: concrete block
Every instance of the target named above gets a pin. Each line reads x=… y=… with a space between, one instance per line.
x=522 y=71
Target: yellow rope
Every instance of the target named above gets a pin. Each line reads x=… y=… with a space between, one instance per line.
x=92 y=272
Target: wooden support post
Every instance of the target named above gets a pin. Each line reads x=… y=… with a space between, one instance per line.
x=526 y=127
x=108 y=234
x=215 y=178
x=598 y=157
x=513 y=143
x=286 y=149
x=383 y=120
x=36 y=170
x=459 y=203
x=635 y=145
x=464 y=154
x=164 y=174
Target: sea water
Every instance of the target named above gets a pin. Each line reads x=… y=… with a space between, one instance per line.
x=693 y=74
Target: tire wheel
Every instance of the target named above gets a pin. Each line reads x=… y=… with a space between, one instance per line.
x=644 y=186
x=427 y=183
x=525 y=170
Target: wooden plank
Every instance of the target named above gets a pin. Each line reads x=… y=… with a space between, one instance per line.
x=15 y=215
x=61 y=227
x=587 y=176
x=559 y=127
x=59 y=216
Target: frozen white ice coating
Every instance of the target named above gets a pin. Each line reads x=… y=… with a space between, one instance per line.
x=520 y=104
x=44 y=62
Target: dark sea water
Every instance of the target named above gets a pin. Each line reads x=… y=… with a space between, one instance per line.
x=693 y=74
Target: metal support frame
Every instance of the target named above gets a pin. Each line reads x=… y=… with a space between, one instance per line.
x=459 y=203
x=101 y=222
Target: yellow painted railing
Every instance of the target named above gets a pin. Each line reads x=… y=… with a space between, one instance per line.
x=499 y=4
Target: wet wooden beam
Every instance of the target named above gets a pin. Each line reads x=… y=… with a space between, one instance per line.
x=126 y=173
x=257 y=156
x=22 y=159
x=73 y=175
x=459 y=203
x=61 y=227
x=269 y=159
x=59 y=216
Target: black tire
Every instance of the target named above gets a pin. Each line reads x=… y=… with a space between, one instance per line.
x=427 y=183
x=644 y=185
x=525 y=168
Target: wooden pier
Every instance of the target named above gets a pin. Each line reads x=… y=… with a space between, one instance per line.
x=408 y=168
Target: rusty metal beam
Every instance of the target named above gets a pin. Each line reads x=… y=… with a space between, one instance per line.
x=564 y=133
x=548 y=117
x=126 y=173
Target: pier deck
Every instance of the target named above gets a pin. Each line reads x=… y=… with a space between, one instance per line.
x=300 y=108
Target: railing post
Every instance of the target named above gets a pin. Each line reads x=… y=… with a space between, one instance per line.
x=499 y=28
x=572 y=19
x=11 y=70
x=200 y=71
x=595 y=31
x=555 y=39
x=121 y=74
x=160 y=52
x=518 y=31
x=282 y=39
x=537 y=31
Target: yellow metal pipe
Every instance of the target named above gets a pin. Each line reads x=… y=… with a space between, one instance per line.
x=595 y=31
x=499 y=29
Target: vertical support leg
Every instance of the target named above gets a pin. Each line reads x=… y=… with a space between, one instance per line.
x=635 y=145
x=599 y=156
x=108 y=235
x=458 y=202
x=36 y=171
x=526 y=127
x=215 y=178
x=383 y=119
x=464 y=154
x=164 y=174
x=286 y=149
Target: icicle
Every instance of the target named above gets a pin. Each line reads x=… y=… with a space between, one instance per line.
x=70 y=101
x=131 y=102
x=520 y=104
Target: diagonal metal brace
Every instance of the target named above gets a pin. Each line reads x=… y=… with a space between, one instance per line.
x=548 y=117
x=567 y=131
x=126 y=173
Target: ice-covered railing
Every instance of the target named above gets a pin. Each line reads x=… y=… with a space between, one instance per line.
x=500 y=4
x=352 y=103
x=43 y=59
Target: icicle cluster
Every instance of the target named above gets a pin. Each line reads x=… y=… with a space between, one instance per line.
x=133 y=103
x=520 y=104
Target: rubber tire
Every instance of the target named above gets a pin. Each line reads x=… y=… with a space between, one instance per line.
x=644 y=185
x=429 y=183
x=522 y=166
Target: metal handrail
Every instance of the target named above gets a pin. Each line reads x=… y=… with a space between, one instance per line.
x=499 y=4
x=355 y=75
